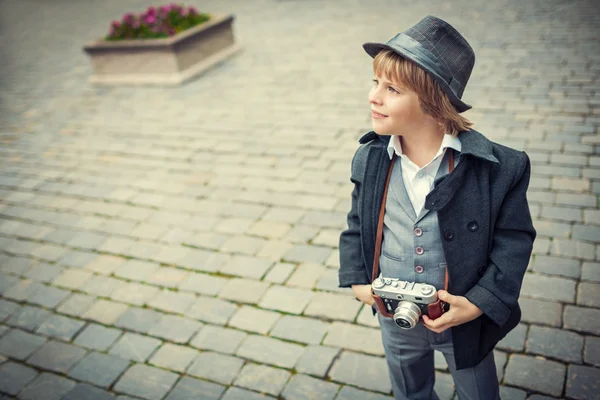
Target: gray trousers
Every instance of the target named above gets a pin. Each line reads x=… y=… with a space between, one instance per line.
x=409 y=355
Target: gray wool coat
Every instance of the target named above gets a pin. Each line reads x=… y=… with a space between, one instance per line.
x=486 y=226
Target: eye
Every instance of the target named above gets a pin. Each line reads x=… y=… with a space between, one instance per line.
x=375 y=82
x=391 y=89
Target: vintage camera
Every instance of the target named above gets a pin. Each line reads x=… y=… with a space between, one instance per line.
x=407 y=301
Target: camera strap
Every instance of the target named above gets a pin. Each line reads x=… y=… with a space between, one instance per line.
x=379 y=236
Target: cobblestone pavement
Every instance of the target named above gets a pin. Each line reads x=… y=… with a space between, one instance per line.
x=181 y=243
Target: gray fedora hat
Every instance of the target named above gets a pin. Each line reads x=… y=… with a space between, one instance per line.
x=438 y=48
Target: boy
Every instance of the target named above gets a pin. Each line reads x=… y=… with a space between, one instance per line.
x=435 y=202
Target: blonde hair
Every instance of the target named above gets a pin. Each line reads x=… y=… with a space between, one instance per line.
x=432 y=98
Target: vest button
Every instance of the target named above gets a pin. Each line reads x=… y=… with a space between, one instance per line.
x=419 y=250
x=449 y=235
x=419 y=269
x=472 y=226
x=418 y=231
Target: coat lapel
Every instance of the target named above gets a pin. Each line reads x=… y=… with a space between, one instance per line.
x=399 y=190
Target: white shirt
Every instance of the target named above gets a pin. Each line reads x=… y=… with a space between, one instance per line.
x=419 y=181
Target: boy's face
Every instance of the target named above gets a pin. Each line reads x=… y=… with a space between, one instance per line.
x=395 y=109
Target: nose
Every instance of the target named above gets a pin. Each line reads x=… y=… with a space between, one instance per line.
x=374 y=96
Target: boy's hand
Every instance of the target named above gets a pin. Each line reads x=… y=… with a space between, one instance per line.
x=363 y=293
x=461 y=311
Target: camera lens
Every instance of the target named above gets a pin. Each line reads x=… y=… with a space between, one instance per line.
x=407 y=315
x=402 y=323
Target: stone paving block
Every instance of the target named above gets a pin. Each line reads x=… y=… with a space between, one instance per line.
x=243 y=290
x=29 y=317
x=591 y=352
x=22 y=289
x=307 y=254
x=586 y=232
x=167 y=277
x=500 y=359
x=515 y=340
x=333 y=306
x=562 y=213
x=174 y=357
x=234 y=393
x=274 y=249
x=43 y=272
x=285 y=299
x=301 y=234
x=102 y=286
x=175 y=328
x=116 y=245
x=262 y=378
x=88 y=392
x=283 y=214
x=7 y=282
x=105 y=312
x=188 y=388
x=216 y=367
x=444 y=385
x=316 y=360
x=254 y=319
x=56 y=356
x=104 y=264
x=306 y=275
x=350 y=393
x=354 y=337
x=541 y=397
x=132 y=346
x=86 y=240
x=329 y=281
x=300 y=329
x=216 y=338
x=214 y=311
x=146 y=382
x=233 y=226
x=97 y=337
x=535 y=374
x=555 y=343
x=590 y=272
x=14 y=377
x=99 y=369
x=280 y=272
x=269 y=229
x=246 y=267
x=363 y=371
x=512 y=393
x=270 y=351
x=48 y=296
x=366 y=317
x=303 y=387
x=77 y=304
x=77 y=259
x=17 y=265
x=19 y=344
x=48 y=252
x=552 y=228
x=566 y=267
x=134 y=293
x=583 y=383
x=203 y=260
x=541 y=311
x=583 y=320
x=72 y=278
x=60 y=327
x=136 y=270
x=47 y=386
x=174 y=302
x=548 y=287
x=588 y=294
x=202 y=283
x=572 y=248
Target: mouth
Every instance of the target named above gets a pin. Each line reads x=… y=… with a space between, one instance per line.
x=377 y=115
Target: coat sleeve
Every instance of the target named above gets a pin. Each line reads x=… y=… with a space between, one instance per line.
x=497 y=292
x=352 y=267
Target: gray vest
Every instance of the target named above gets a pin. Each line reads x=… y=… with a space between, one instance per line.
x=412 y=245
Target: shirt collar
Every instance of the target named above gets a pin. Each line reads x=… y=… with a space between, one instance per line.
x=448 y=141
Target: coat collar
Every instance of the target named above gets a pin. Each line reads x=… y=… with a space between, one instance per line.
x=473 y=143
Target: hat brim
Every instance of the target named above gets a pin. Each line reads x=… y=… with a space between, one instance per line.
x=373 y=49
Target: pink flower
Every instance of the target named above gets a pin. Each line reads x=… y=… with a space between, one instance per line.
x=128 y=17
x=151 y=11
x=192 y=10
x=116 y=24
x=150 y=19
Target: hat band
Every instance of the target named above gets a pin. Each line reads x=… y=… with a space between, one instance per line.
x=406 y=44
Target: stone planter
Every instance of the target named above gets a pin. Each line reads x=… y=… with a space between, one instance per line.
x=168 y=61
